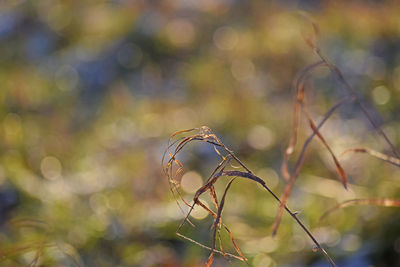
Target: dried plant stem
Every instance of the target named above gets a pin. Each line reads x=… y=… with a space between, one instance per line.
x=353 y=94
x=376 y=154
x=300 y=162
x=205 y=135
x=208 y=248
x=217 y=221
x=374 y=202
x=292 y=214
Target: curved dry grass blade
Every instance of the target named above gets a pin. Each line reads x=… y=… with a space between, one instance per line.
x=299 y=99
x=208 y=248
x=183 y=142
x=285 y=167
x=181 y=197
x=208 y=186
x=210 y=259
x=173 y=184
x=199 y=192
x=339 y=168
x=219 y=153
x=221 y=247
x=217 y=222
x=392 y=160
x=169 y=145
x=310 y=40
x=300 y=162
x=373 y=202
x=168 y=150
x=178 y=148
x=353 y=94
x=292 y=214
x=235 y=245
x=334 y=69
x=207 y=136
x=226 y=228
x=186 y=219
x=237 y=159
x=220 y=166
x=213 y=196
x=201 y=204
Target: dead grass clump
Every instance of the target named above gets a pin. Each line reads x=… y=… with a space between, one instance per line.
x=173 y=168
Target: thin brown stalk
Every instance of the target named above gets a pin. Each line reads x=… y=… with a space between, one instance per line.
x=217 y=222
x=334 y=69
x=353 y=94
x=299 y=105
x=374 y=202
x=392 y=160
x=292 y=214
x=339 y=168
x=207 y=136
x=226 y=229
x=208 y=248
x=300 y=162
x=299 y=98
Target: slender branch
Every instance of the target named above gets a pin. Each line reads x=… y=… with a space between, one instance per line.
x=292 y=214
x=353 y=94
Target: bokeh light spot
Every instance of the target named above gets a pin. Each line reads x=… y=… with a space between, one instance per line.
x=199 y=213
x=225 y=38
x=263 y=260
x=243 y=70
x=381 y=95
x=51 y=168
x=180 y=32
x=260 y=137
x=191 y=182
x=351 y=242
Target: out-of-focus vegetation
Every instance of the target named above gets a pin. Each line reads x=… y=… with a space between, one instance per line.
x=91 y=91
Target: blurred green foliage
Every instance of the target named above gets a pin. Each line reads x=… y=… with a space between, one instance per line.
x=91 y=90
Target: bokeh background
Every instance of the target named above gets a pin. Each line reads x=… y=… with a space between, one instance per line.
x=91 y=90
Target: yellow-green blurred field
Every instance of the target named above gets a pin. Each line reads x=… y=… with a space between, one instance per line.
x=90 y=92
